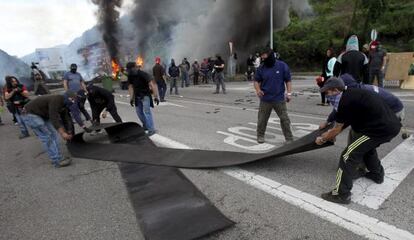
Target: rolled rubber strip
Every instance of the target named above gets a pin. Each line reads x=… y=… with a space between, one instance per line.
x=143 y=151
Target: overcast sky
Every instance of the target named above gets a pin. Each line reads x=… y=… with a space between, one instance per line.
x=29 y=24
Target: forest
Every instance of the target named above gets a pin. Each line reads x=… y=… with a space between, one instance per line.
x=303 y=43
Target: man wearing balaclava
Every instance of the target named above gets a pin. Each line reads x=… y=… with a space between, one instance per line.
x=274 y=88
x=352 y=61
x=74 y=82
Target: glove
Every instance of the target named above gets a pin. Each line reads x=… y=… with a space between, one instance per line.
x=157 y=101
x=87 y=130
x=132 y=102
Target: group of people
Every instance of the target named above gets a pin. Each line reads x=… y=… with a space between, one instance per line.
x=50 y=115
x=367 y=66
x=207 y=70
x=373 y=114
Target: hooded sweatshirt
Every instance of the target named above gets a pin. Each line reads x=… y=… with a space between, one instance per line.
x=392 y=101
x=352 y=61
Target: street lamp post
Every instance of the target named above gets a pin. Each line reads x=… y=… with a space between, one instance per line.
x=271 y=24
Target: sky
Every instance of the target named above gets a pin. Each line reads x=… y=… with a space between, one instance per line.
x=29 y=24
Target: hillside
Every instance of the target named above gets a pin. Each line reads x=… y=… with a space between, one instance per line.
x=13 y=66
x=304 y=42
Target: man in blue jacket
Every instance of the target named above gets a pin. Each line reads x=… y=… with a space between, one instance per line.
x=274 y=88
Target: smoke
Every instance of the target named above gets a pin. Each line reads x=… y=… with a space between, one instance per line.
x=202 y=28
x=108 y=16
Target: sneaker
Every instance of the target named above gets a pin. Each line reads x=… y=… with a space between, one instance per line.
x=24 y=136
x=16 y=123
x=65 y=162
x=260 y=139
x=288 y=142
x=341 y=199
x=377 y=178
x=150 y=133
x=215 y=92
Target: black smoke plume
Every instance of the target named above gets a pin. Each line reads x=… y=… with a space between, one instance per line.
x=201 y=28
x=108 y=17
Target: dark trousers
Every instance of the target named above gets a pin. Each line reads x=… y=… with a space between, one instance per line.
x=173 y=85
x=195 y=77
x=361 y=150
x=162 y=89
x=323 y=97
x=265 y=109
x=378 y=74
x=80 y=100
x=124 y=85
x=110 y=107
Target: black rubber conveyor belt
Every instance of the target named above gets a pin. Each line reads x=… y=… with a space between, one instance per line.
x=166 y=203
x=144 y=152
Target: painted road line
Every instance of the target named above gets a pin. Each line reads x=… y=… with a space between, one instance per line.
x=236 y=140
x=397 y=165
x=349 y=219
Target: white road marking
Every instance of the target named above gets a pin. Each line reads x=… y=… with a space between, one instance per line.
x=397 y=165
x=245 y=143
x=349 y=219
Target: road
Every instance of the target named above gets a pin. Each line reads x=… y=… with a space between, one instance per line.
x=272 y=199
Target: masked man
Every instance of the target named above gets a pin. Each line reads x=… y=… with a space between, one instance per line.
x=274 y=88
x=373 y=123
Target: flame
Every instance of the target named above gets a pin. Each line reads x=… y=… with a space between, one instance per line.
x=115 y=68
x=140 y=61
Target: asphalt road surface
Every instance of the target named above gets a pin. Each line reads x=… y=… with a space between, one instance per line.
x=272 y=199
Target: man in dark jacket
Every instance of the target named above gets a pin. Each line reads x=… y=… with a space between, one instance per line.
x=174 y=73
x=372 y=127
x=101 y=100
x=352 y=61
x=158 y=71
x=45 y=115
x=140 y=88
x=391 y=100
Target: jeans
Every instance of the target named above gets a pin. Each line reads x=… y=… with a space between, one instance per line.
x=265 y=109
x=173 y=84
x=143 y=109
x=162 y=89
x=184 y=79
x=47 y=134
x=22 y=125
x=219 y=80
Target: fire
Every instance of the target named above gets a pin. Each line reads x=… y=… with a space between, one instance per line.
x=140 y=61
x=115 y=68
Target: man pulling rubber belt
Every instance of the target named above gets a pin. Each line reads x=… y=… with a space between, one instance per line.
x=373 y=123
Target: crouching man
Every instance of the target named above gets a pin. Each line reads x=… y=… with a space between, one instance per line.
x=102 y=101
x=45 y=115
x=373 y=123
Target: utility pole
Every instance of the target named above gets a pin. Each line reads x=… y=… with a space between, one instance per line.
x=271 y=24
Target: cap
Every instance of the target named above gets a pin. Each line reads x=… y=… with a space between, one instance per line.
x=333 y=82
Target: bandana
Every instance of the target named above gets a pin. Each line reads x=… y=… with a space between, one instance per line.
x=334 y=100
